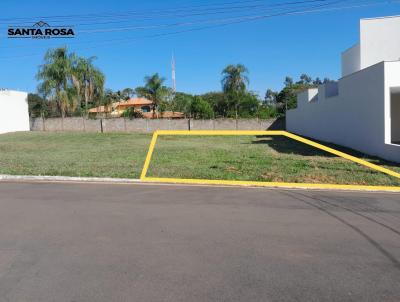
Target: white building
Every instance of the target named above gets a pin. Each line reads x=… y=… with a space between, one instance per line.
x=14 y=114
x=362 y=109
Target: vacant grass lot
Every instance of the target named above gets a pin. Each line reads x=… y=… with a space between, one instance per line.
x=259 y=159
x=211 y=157
x=73 y=154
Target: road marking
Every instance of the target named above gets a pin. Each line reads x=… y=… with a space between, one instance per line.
x=149 y=155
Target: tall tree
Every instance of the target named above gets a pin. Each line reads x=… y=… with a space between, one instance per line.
x=317 y=81
x=270 y=97
x=153 y=90
x=305 y=79
x=218 y=103
x=88 y=80
x=128 y=93
x=37 y=105
x=249 y=105
x=287 y=97
x=234 y=83
x=55 y=75
x=288 y=81
x=108 y=99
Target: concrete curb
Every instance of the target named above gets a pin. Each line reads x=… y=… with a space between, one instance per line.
x=108 y=180
x=4 y=177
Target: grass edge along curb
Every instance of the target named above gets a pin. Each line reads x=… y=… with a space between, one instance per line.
x=72 y=179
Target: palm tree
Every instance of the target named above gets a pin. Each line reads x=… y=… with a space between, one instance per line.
x=128 y=93
x=154 y=90
x=109 y=98
x=55 y=76
x=88 y=80
x=234 y=81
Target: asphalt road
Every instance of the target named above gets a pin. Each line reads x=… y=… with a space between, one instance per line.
x=98 y=242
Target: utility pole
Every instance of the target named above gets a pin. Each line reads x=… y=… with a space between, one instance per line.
x=173 y=73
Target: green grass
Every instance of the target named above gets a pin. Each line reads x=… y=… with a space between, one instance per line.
x=73 y=154
x=259 y=159
x=210 y=157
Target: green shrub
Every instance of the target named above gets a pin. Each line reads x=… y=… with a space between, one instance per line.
x=131 y=113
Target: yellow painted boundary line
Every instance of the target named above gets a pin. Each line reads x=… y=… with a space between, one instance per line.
x=360 y=161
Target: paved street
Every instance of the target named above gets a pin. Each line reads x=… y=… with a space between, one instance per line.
x=100 y=242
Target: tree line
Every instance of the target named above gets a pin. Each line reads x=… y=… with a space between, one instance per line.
x=70 y=85
x=286 y=98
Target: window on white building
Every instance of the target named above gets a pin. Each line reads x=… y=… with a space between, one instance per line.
x=395 y=115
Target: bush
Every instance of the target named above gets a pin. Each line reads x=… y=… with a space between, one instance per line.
x=131 y=113
x=266 y=112
x=200 y=109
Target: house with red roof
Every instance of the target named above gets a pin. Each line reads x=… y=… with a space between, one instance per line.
x=142 y=105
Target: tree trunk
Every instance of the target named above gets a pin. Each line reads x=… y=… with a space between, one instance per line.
x=43 y=126
x=236 y=111
x=86 y=102
x=62 y=119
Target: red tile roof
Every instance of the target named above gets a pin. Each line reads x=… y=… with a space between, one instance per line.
x=133 y=102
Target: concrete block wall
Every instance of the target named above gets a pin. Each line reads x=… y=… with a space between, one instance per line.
x=91 y=125
x=78 y=124
x=53 y=124
x=202 y=124
x=73 y=124
x=37 y=124
x=114 y=125
x=136 y=125
x=225 y=124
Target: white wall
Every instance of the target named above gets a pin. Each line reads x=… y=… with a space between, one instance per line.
x=351 y=61
x=379 y=40
x=306 y=97
x=331 y=89
x=14 y=114
x=359 y=117
x=356 y=117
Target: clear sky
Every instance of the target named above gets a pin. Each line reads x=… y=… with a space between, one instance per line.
x=132 y=39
